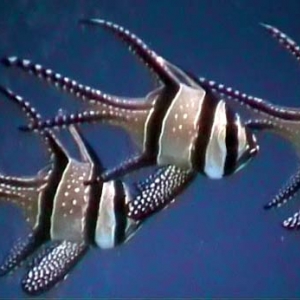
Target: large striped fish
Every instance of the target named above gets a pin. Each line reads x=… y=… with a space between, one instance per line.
x=60 y=207
x=180 y=123
x=266 y=116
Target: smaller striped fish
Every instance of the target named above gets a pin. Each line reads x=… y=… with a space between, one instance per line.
x=180 y=123
x=60 y=208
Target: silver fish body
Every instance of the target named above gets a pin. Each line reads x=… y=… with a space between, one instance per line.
x=61 y=208
x=266 y=116
x=180 y=123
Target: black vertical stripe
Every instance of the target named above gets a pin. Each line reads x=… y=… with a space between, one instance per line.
x=204 y=131
x=93 y=207
x=232 y=142
x=154 y=126
x=120 y=213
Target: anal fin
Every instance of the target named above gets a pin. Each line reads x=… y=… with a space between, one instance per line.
x=53 y=267
x=20 y=251
x=158 y=191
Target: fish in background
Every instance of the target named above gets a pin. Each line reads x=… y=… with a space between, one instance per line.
x=66 y=215
x=266 y=116
x=180 y=123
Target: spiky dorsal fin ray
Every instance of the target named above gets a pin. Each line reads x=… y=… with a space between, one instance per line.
x=258 y=106
x=283 y=39
x=158 y=191
x=135 y=44
x=53 y=267
x=21 y=181
x=268 y=116
x=84 y=93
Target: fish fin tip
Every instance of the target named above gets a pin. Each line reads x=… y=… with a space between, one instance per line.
x=52 y=267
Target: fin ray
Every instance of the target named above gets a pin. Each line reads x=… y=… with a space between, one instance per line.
x=288 y=44
x=287 y=192
x=20 y=251
x=53 y=267
x=158 y=191
x=151 y=60
x=70 y=86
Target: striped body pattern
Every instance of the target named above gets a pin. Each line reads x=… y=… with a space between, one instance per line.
x=61 y=208
x=180 y=123
x=281 y=120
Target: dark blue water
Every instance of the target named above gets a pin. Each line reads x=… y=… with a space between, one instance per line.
x=217 y=241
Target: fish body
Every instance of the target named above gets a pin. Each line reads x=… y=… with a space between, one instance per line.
x=61 y=208
x=266 y=116
x=180 y=123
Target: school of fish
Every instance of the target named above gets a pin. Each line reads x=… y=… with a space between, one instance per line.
x=183 y=127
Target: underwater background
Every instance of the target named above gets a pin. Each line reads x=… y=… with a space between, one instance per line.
x=216 y=240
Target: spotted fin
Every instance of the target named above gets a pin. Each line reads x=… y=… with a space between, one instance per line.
x=158 y=191
x=43 y=250
x=53 y=267
x=20 y=251
x=284 y=40
x=288 y=192
x=138 y=47
x=293 y=222
x=261 y=108
x=68 y=85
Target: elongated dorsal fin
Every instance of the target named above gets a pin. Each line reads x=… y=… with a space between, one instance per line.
x=138 y=47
